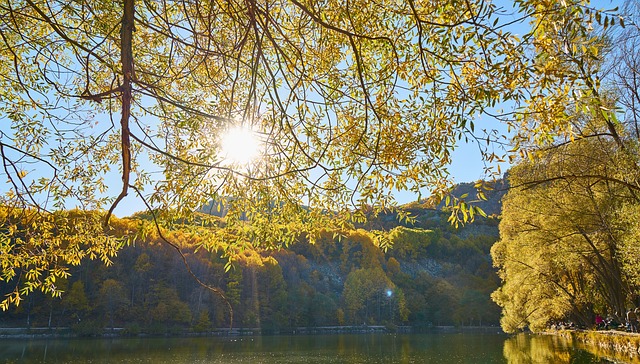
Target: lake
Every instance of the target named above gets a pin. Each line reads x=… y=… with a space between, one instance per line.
x=308 y=349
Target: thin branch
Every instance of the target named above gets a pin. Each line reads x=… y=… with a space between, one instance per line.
x=62 y=34
x=215 y=290
x=567 y=177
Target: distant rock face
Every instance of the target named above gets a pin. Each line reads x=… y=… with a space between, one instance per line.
x=430 y=266
x=492 y=205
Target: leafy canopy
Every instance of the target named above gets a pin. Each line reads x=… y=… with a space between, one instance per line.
x=350 y=100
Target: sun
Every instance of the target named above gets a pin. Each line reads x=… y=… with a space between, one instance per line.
x=240 y=146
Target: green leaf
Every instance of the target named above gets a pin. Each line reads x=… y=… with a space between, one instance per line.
x=480 y=211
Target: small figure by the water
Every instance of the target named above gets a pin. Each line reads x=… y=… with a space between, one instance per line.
x=632 y=320
x=611 y=323
x=599 y=322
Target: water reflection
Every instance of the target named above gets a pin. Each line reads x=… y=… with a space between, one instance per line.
x=525 y=348
x=312 y=349
x=349 y=349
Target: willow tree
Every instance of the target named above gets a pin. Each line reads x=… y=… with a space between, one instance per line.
x=346 y=101
x=568 y=239
x=560 y=252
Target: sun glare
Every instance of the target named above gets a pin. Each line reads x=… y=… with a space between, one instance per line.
x=240 y=146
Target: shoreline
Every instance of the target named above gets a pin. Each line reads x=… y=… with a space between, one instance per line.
x=110 y=333
x=620 y=345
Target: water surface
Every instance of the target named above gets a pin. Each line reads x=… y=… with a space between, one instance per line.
x=307 y=349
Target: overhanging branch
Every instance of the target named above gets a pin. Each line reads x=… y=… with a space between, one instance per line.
x=126 y=58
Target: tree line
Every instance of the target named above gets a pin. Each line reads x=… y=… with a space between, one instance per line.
x=427 y=277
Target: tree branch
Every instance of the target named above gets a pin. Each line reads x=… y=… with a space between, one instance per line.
x=126 y=58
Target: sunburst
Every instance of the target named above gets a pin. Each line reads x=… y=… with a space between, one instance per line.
x=240 y=146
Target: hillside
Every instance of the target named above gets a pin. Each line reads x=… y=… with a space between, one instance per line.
x=432 y=275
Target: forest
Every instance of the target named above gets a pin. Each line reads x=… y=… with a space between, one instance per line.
x=432 y=275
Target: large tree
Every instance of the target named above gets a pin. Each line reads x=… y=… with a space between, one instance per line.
x=560 y=250
x=349 y=101
x=568 y=237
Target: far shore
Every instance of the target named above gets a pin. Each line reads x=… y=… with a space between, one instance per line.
x=67 y=332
